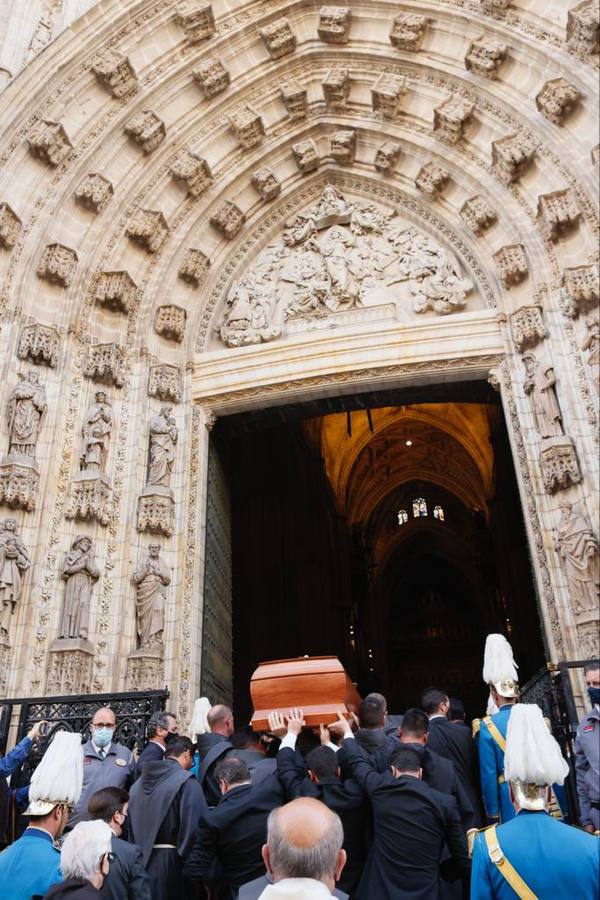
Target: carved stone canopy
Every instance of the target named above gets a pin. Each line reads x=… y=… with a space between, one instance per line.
x=341 y=261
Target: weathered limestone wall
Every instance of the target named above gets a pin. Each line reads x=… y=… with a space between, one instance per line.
x=154 y=160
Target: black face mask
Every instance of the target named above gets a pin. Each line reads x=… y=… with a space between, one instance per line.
x=594 y=695
x=171 y=736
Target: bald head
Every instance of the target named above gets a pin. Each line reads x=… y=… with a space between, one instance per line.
x=220 y=720
x=304 y=840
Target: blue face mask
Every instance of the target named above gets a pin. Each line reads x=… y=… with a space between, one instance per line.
x=594 y=695
x=103 y=736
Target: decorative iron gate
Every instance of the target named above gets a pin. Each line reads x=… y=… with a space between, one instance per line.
x=73 y=713
x=551 y=689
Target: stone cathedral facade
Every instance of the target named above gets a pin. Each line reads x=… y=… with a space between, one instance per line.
x=207 y=208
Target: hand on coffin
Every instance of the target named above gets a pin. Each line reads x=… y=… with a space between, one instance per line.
x=341 y=727
x=295 y=721
x=277 y=724
x=324 y=734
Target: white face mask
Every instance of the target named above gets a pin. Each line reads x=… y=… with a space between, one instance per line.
x=103 y=736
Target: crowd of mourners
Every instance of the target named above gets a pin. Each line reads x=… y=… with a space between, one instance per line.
x=370 y=807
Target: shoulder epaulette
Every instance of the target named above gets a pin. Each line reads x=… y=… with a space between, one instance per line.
x=475 y=726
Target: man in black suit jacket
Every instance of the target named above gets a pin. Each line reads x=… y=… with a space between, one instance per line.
x=248 y=748
x=456 y=744
x=161 y=728
x=233 y=833
x=213 y=747
x=127 y=878
x=320 y=777
x=412 y=823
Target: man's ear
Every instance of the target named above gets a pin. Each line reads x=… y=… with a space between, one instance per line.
x=223 y=786
x=395 y=772
x=267 y=859
x=338 y=772
x=341 y=862
x=312 y=776
x=420 y=773
x=425 y=737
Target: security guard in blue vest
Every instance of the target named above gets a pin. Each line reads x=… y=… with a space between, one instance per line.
x=533 y=855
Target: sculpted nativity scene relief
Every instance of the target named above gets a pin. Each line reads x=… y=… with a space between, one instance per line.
x=339 y=256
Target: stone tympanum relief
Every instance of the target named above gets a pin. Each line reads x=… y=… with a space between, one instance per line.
x=25 y=411
x=335 y=263
x=14 y=562
x=79 y=573
x=90 y=490
x=156 y=507
x=151 y=580
x=577 y=546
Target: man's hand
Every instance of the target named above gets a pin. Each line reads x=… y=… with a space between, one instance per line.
x=35 y=732
x=277 y=724
x=589 y=828
x=295 y=721
x=341 y=727
x=324 y=734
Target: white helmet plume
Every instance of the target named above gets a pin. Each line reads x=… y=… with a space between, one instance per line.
x=499 y=666
x=532 y=754
x=59 y=777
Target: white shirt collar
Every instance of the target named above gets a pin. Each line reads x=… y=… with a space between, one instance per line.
x=437 y=716
x=104 y=749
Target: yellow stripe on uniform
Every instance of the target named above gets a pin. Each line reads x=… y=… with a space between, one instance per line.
x=508 y=872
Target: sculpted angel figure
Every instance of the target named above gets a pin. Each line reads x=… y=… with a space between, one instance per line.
x=26 y=408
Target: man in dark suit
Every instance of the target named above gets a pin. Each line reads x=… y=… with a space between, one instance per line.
x=161 y=728
x=412 y=822
x=248 y=747
x=212 y=747
x=372 y=719
x=127 y=878
x=320 y=777
x=234 y=832
x=456 y=744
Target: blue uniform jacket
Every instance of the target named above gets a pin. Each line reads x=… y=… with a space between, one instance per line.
x=556 y=861
x=29 y=866
x=496 y=797
x=11 y=762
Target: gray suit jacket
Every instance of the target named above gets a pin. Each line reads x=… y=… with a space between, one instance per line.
x=127 y=879
x=253 y=889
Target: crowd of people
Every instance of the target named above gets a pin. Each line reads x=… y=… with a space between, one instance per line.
x=370 y=807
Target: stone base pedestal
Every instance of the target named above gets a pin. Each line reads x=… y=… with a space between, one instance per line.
x=145 y=669
x=19 y=480
x=588 y=633
x=558 y=461
x=5 y=649
x=70 y=666
x=156 y=511
x=90 y=497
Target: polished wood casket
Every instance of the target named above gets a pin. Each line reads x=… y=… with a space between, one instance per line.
x=318 y=685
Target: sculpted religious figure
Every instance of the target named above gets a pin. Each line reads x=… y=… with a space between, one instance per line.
x=338 y=256
x=163 y=438
x=14 y=562
x=577 y=544
x=25 y=410
x=540 y=386
x=96 y=435
x=151 y=579
x=592 y=345
x=80 y=572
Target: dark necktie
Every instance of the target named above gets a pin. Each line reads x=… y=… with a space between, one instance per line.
x=101 y=752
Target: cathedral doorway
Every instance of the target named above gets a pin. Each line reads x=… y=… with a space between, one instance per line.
x=385 y=528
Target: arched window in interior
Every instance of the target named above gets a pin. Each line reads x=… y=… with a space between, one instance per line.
x=438 y=513
x=419 y=507
x=402 y=517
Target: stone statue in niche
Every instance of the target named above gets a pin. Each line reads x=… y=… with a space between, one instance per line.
x=96 y=435
x=577 y=545
x=25 y=410
x=14 y=562
x=163 y=438
x=342 y=255
x=80 y=572
x=592 y=345
x=151 y=579
x=540 y=384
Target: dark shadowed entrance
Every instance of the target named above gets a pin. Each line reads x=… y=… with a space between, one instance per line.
x=385 y=529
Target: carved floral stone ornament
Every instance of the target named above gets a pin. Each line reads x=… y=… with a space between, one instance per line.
x=147 y=130
x=451 y=118
x=591 y=346
x=196 y=19
x=512 y=264
x=558 y=213
x=581 y=289
x=228 y=219
x=49 y=142
x=212 y=76
x=149 y=229
x=334 y=24
x=387 y=93
x=116 y=291
x=10 y=227
x=279 y=38
x=511 y=157
x=295 y=99
x=336 y=88
x=40 y=344
x=165 y=382
x=485 y=56
x=431 y=179
x=170 y=322
x=94 y=192
x=57 y=264
x=116 y=74
x=105 y=363
x=194 y=267
x=387 y=156
x=528 y=327
x=193 y=171
x=408 y=30
x=337 y=259
x=477 y=214
x=247 y=126
x=583 y=29
x=306 y=156
x=266 y=183
x=557 y=100
x=343 y=147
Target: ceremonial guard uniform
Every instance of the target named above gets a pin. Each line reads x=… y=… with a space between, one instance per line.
x=533 y=855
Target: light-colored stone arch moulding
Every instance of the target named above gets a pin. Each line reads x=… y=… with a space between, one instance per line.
x=152 y=155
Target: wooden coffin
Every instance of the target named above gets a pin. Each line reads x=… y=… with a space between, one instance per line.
x=318 y=685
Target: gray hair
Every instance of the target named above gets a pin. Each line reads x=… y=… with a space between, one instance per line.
x=83 y=849
x=318 y=862
x=158 y=719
